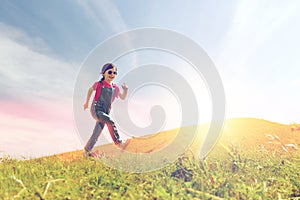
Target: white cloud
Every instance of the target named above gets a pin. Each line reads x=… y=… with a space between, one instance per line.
x=36 y=93
x=17 y=35
x=25 y=71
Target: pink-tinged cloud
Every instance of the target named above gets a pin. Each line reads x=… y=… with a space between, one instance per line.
x=36 y=116
x=59 y=114
x=36 y=129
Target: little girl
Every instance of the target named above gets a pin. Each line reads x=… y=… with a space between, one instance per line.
x=106 y=92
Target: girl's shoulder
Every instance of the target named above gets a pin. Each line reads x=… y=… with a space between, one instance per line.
x=96 y=85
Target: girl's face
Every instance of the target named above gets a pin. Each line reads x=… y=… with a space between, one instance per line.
x=110 y=74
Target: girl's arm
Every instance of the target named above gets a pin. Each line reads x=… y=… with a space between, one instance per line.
x=88 y=96
x=124 y=94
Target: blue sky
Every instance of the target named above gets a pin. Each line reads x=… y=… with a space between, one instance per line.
x=254 y=44
x=72 y=28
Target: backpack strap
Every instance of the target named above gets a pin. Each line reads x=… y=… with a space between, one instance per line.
x=101 y=83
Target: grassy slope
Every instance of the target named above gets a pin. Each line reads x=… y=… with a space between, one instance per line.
x=249 y=133
x=248 y=162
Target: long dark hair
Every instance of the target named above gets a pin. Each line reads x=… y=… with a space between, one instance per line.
x=106 y=67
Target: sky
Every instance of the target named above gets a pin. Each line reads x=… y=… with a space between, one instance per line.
x=254 y=45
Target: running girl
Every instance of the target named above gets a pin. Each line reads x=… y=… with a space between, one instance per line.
x=105 y=94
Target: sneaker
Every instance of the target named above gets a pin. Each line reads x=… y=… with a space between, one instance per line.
x=86 y=154
x=122 y=145
x=117 y=142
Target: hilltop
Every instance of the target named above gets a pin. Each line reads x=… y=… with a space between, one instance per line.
x=247 y=133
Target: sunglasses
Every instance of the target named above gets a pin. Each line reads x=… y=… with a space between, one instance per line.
x=111 y=72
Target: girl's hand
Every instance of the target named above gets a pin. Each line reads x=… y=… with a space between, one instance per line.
x=85 y=106
x=124 y=86
x=124 y=94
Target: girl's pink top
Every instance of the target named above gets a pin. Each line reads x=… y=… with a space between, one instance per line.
x=97 y=86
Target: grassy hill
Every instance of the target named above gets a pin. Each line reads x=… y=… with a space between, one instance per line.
x=246 y=133
x=254 y=159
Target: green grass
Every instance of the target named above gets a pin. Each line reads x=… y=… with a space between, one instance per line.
x=228 y=173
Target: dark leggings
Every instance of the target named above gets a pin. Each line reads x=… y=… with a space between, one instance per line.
x=101 y=119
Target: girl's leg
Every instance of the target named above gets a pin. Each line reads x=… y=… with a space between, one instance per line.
x=113 y=132
x=104 y=118
x=93 y=139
